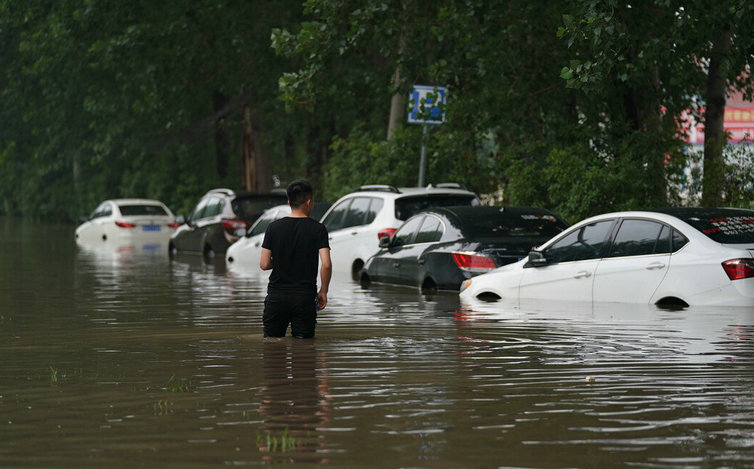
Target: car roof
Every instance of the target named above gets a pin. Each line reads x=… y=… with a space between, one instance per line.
x=382 y=189
x=463 y=210
x=250 y=194
x=673 y=213
x=703 y=212
x=120 y=202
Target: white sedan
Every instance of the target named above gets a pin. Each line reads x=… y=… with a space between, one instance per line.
x=245 y=252
x=124 y=220
x=668 y=257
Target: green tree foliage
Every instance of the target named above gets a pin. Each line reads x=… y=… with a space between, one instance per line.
x=650 y=62
x=579 y=101
x=569 y=105
x=123 y=99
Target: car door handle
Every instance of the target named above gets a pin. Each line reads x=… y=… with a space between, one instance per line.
x=582 y=274
x=655 y=266
x=256 y=245
x=354 y=233
x=420 y=262
x=396 y=264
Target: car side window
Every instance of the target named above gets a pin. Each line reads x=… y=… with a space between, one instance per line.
x=374 y=209
x=356 y=212
x=430 y=231
x=198 y=210
x=214 y=208
x=678 y=241
x=100 y=211
x=263 y=222
x=334 y=220
x=407 y=233
x=581 y=244
x=639 y=238
x=663 y=245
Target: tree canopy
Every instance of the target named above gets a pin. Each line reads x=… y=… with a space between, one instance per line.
x=574 y=106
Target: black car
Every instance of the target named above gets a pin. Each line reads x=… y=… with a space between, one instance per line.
x=442 y=247
x=220 y=218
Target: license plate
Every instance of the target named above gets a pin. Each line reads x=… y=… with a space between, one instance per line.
x=151 y=227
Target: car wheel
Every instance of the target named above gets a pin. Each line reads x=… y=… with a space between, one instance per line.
x=364 y=280
x=429 y=287
x=209 y=253
x=358 y=264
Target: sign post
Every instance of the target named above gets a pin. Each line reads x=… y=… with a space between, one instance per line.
x=426 y=107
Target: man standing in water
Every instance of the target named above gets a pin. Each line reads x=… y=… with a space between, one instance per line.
x=292 y=248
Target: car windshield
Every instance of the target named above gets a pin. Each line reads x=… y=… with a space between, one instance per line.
x=406 y=207
x=137 y=210
x=485 y=225
x=724 y=226
x=251 y=207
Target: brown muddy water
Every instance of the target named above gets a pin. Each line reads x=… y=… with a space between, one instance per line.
x=121 y=357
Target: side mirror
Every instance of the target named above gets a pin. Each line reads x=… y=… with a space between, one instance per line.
x=385 y=242
x=537 y=259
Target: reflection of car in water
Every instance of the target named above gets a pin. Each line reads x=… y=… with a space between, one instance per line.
x=669 y=257
x=359 y=219
x=442 y=247
x=219 y=219
x=137 y=221
x=245 y=252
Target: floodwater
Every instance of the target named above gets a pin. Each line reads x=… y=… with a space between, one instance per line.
x=120 y=357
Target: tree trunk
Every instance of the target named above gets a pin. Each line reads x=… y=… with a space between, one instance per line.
x=222 y=138
x=714 y=133
x=397 y=107
x=255 y=162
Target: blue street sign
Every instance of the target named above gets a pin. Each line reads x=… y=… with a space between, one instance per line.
x=427 y=104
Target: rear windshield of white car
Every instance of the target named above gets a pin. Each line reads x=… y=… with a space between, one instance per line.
x=252 y=207
x=727 y=227
x=406 y=207
x=138 y=210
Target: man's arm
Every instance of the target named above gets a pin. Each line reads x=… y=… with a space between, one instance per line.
x=325 y=273
x=265 y=261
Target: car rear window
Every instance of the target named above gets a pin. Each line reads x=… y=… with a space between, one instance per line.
x=729 y=227
x=137 y=210
x=252 y=207
x=406 y=207
x=484 y=225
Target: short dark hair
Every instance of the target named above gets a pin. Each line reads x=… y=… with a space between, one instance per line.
x=299 y=192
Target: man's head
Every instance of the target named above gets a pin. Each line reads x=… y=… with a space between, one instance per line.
x=299 y=193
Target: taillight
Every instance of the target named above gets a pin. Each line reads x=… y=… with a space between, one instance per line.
x=174 y=224
x=233 y=225
x=473 y=262
x=738 y=269
x=125 y=224
x=389 y=232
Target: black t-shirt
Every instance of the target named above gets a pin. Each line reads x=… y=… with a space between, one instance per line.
x=295 y=244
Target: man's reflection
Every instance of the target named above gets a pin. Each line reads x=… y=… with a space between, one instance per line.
x=293 y=400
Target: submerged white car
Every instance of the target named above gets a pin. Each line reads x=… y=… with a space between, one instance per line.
x=245 y=253
x=128 y=219
x=669 y=257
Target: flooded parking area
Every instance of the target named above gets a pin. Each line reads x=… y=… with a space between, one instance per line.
x=118 y=356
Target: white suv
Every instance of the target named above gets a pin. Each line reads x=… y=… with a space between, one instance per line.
x=358 y=220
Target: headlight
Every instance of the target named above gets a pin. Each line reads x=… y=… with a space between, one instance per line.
x=466 y=284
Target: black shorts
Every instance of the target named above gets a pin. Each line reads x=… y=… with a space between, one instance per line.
x=281 y=309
